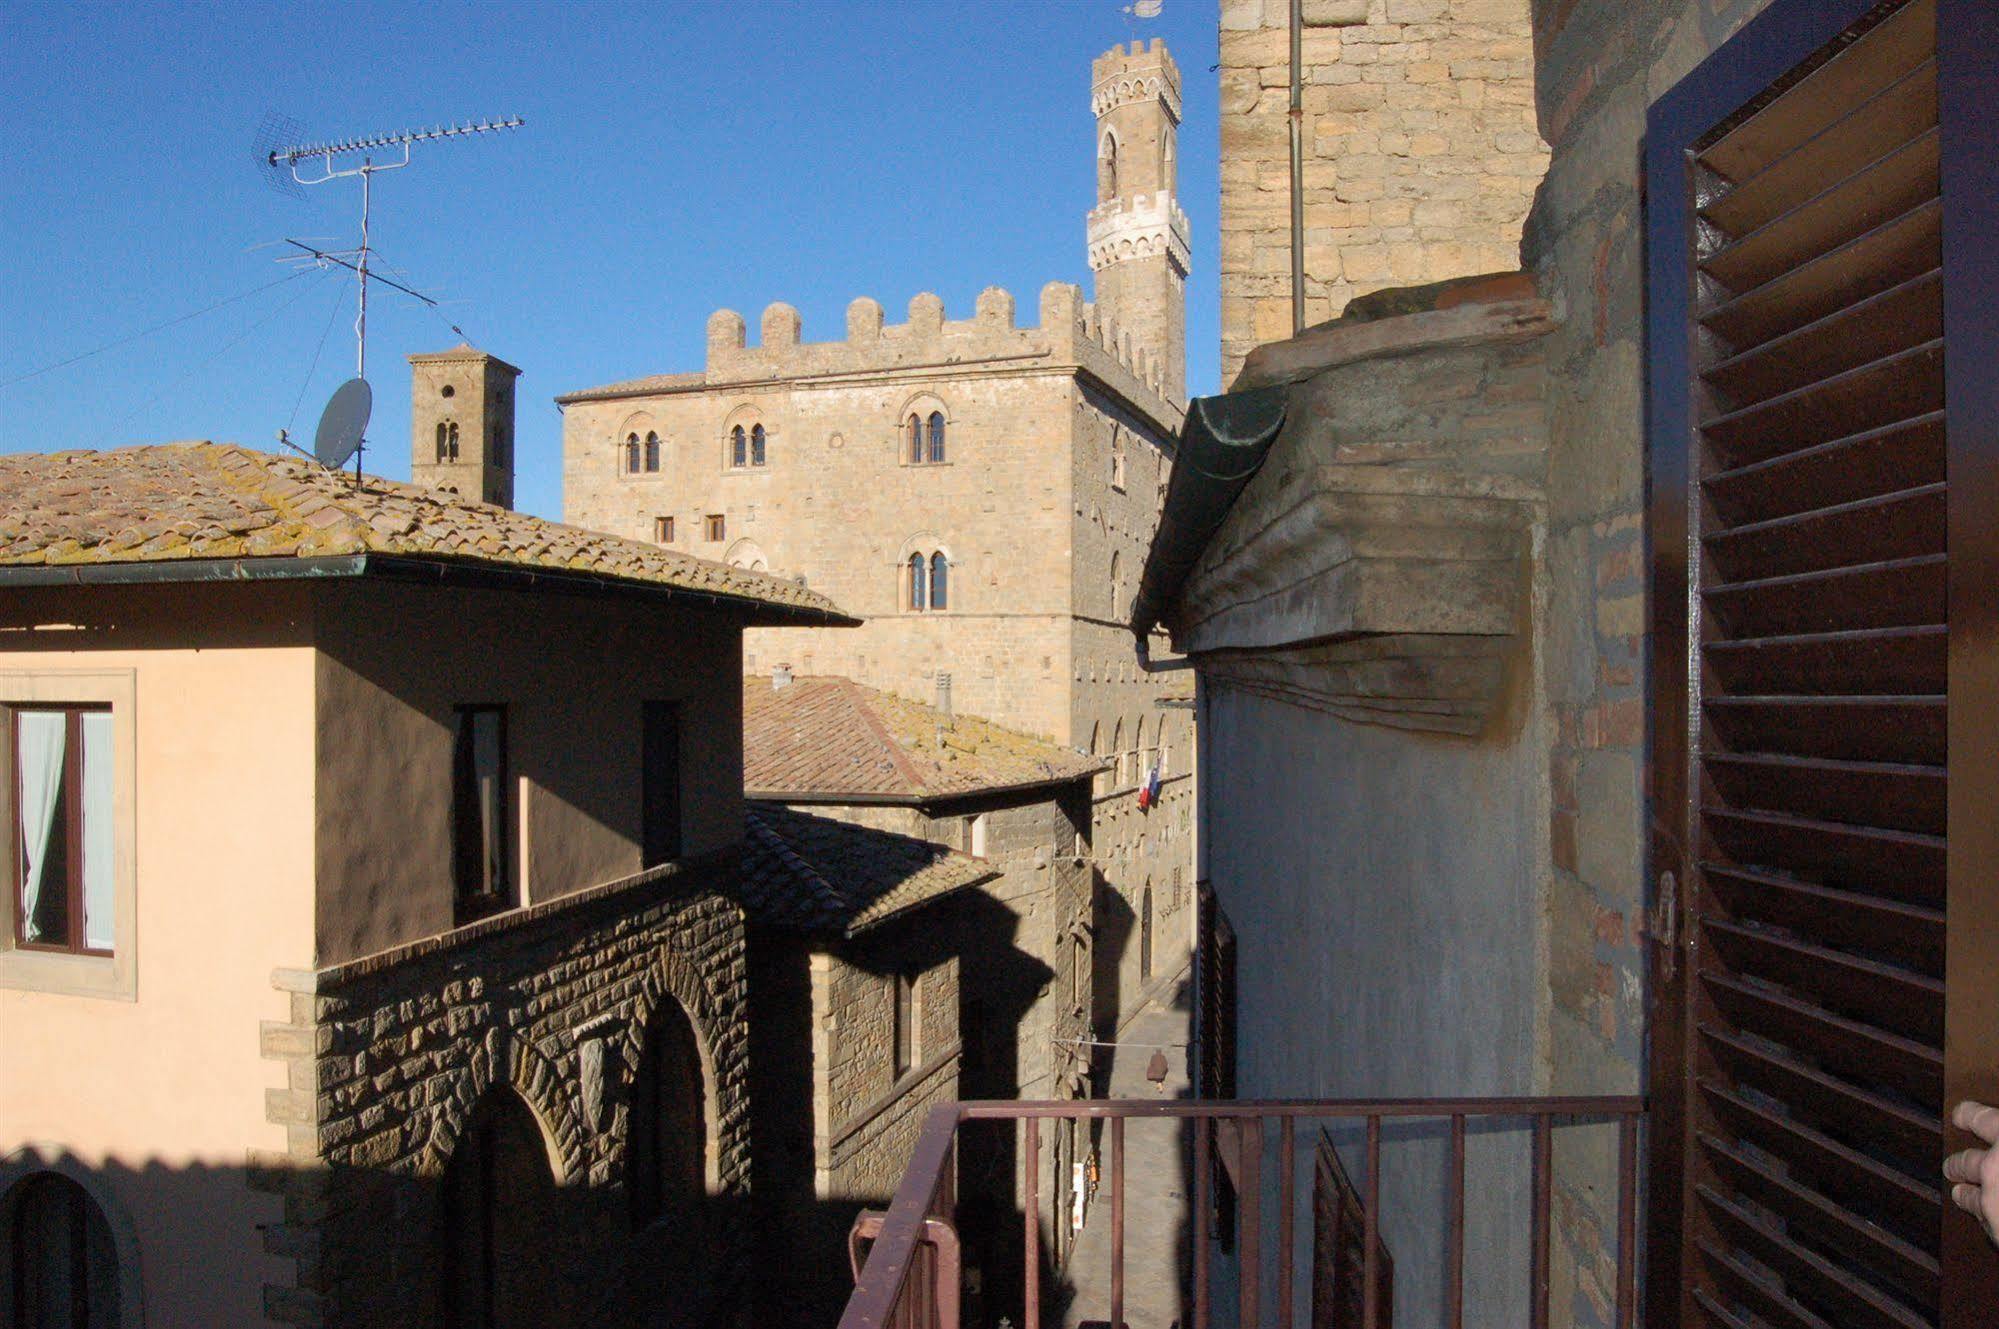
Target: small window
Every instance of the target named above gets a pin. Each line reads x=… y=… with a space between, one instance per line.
x=937 y=436
x=442 y=455
x=1117 y=464
x=912 y=429
x=64 y=829
x=61 y=1259
x=917 y=601
x=907 y=1012
x=939 y=582
x=632 y=453
x=757 y=453
x=652 y=452
x=660 y=783
x=716 y=528
x=974 y=842
x=447 y=391
x=482 y=843
x=662 y=530
x=739 y=447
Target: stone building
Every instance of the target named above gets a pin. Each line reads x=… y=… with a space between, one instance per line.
x=462 y=423
x=979 y=490
x=1421 y=152
x=336 y=909
x=1453 y=753
x=855 y=994
x=1024 y=938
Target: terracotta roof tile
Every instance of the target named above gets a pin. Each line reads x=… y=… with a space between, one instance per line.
x=180 y=501
x=814 y=874
x=830 y=737
x=635 y=387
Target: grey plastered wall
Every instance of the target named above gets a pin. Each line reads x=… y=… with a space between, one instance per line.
x=1387 y=901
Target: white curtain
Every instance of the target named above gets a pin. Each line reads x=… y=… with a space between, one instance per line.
x=99 y=914
x=40 y=739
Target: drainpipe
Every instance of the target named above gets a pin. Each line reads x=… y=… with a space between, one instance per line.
x=1297 y=167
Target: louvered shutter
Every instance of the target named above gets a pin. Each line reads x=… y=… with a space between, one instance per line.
x=1816 y=845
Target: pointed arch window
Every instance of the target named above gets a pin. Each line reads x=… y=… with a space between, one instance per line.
x=1117 y=755
x=441 y=435
x=757 y=445
x=632 y=453
x=739 y=447
x=917 y=600
x=939 y=581
x=667 y=1146
x=913 y=431
x=937 y=436
x=652 y=451
x=495 y=1190
x=1107 y=170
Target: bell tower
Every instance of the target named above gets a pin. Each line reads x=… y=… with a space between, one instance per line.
x=462 y=424
x=1138 y=243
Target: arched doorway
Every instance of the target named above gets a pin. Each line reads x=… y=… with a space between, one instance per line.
x=667 y=1169
x=500 y=1228
x=61 y=1261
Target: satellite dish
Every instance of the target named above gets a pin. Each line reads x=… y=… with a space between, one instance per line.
x=342 y=423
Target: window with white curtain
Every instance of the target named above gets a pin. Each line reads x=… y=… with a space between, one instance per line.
x=64 y=829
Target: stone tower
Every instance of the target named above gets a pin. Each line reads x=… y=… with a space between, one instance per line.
x=462 y=423
x=1137 y=233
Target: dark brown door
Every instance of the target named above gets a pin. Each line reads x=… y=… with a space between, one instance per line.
x=1821 y=938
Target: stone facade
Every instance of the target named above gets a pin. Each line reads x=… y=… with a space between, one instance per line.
x=386 y=1058
x=1421 y=152
x=1058 y=438
x=462 y=424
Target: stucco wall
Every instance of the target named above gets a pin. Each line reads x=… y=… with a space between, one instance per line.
x=1386 y=907
x=572 y=673
x=162 y=1097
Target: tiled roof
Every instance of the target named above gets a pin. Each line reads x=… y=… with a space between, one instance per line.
x=826 y=737
x=178 y=502
x=815 y=874
x=635 y=387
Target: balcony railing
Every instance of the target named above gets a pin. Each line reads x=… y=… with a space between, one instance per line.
x=909 y=1275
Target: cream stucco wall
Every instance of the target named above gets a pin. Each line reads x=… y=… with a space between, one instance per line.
x=162 y=1097
x=573 y=674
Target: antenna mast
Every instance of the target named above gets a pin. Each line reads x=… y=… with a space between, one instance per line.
x=290 y=157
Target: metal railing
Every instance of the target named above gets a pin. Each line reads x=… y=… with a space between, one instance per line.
x=909 y=1276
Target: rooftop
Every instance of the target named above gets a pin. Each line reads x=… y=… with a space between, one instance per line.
x=814 y=874
x=181 y=511
x=833 y=740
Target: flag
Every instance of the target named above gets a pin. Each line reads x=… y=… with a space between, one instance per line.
x=1148 y=793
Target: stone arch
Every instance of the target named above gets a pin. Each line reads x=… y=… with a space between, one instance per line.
x=747 y=416
x=920 y=407
x=49 y=1159
x=499 y=1197
x=678 y=979
x=745 y=553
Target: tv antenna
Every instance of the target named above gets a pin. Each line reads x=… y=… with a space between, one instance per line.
x=283 y=161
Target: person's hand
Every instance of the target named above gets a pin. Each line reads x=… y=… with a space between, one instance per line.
x=1974 y=1173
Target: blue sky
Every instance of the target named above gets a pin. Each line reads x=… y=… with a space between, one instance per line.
x=677 y=157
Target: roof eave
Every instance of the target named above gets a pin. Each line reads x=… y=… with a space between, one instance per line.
x=927 y=799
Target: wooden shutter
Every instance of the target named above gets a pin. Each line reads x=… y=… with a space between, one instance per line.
x=1805 y=733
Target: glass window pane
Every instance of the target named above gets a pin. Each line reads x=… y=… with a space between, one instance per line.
x=939 y=596
x=40 y=739
x=486 y=774
x=99 y=852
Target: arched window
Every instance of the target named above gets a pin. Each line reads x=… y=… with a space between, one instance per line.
x=937 y=436
x=1166 y=164
x=1117 y=588
x=666 y=1147
x=913 y=430
x=498 y=1192
x=440 y=441
x=1117 y=463
x=1139 y=764
x=757 y=445
x=739 y=447
x=939 y=579
x=652 y=451
x=1107 y=170
x=632 y=453
x=1116 y=754
x=917 y=600
x=1145 y=935
x=62 y=1263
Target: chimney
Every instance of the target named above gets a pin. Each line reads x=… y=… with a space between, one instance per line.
x=780 y=676
x=944 y=693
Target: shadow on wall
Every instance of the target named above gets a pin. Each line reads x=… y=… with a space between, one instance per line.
x=494 y=1240
x=1115 y=935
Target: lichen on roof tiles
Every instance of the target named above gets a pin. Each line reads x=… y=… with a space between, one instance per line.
x=177 y=501
x=813 y=874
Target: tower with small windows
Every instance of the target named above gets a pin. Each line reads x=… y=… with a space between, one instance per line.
x=462 y=424
x=1138 y=236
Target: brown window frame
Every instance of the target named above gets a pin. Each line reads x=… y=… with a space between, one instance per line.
x=72 y=796
x=662 y=530
x=715 y=528
x=498 y=889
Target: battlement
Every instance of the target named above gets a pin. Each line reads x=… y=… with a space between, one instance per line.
x=1144 y=72
x=1140 y=226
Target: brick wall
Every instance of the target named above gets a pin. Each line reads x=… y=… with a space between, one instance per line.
x=1421 y=152
x=388 y=1056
